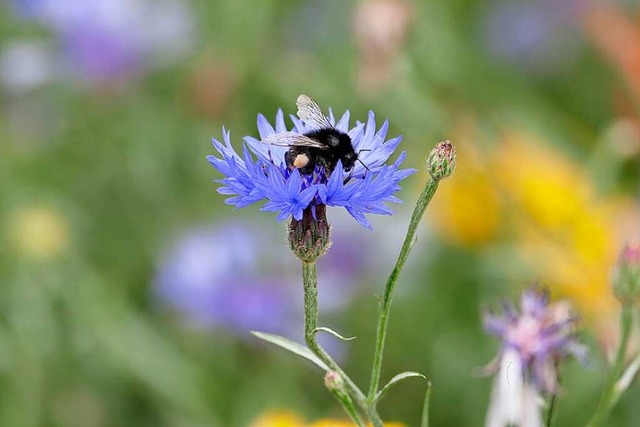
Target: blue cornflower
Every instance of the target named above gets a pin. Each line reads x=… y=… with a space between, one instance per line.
x=261 y=171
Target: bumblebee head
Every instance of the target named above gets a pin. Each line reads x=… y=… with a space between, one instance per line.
x=348 y=160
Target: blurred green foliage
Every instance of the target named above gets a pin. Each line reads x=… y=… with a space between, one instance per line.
x=111 y=174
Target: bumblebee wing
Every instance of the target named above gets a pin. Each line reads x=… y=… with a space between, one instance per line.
x=292 y=139
x=311 y=113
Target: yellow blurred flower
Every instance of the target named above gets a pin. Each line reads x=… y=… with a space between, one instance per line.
x=278 y=418
x=467 y=209
x=546 y=205
x=563 y=230
x=541 y=182
x=281 y=418
x=38 y=232
x=334 y=423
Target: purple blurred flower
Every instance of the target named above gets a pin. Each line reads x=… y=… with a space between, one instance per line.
x=106 y=41
x=534 y=341
x=211 y=276
x=289 y=192
x=537 y=35
x=228 y=277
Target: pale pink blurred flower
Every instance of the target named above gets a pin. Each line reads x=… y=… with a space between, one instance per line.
x=534 y=341
x=380 y=28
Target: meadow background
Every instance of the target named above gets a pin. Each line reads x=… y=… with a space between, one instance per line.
x=128 y=287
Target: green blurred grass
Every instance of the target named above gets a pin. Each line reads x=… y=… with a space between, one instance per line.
x=80 y=341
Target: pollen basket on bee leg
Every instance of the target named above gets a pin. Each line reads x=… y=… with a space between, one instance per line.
x=301 y=161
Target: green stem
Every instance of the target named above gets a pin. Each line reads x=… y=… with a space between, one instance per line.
x=551 y=411
x=410 y=239
x=608 y=396
x=310 y=283
x=347 y=403
x=553 y=402
x=425 y=408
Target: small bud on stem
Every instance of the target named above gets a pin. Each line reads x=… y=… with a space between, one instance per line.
x=626 y=276
x=333 y=381
x=442 y=160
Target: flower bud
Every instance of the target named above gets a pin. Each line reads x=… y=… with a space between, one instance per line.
x=309 y=238
x=626 y=276
x=333 y=381
x=442 y=160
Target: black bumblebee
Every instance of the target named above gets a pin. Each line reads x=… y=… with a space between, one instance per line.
x=324 y=144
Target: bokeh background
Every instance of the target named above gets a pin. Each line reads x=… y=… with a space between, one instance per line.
x=128 y=288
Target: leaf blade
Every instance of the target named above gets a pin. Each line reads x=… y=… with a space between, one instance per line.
x=332 y=332
x=291 y=346
x=396 y=379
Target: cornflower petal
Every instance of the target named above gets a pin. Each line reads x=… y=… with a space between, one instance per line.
x=331 y=117
x=260 y=172
x=280 y=125
x=343 y=123
x=264 y=127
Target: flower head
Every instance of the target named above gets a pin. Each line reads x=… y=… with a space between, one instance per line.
x=540 y=37
x=110 y=41
x=226 y=277
x=211 y=277
x=534 y=341
x=261 y=172
x=283 y=418
x=626 y=276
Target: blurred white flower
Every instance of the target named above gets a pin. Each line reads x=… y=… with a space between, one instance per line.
x=25 y=66
x=514 y=400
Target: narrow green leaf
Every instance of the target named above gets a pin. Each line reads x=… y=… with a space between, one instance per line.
x=397 y=379
x=292 y=346
x=425 y=408
x=332 y=332
x=625 y=379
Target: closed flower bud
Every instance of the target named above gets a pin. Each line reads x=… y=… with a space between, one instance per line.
x=626 y=276
x=333 y=381
x=442 y=160
x=309 y=238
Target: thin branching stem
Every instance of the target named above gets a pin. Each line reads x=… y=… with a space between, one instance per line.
x=381 y=332
x=310 y=283
x=609 y=396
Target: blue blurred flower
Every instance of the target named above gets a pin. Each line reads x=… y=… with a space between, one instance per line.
x=534 y=342
x=360 y=191
x=105 y=41
x=212 y=277
x=540 y=36
x=225 y=276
